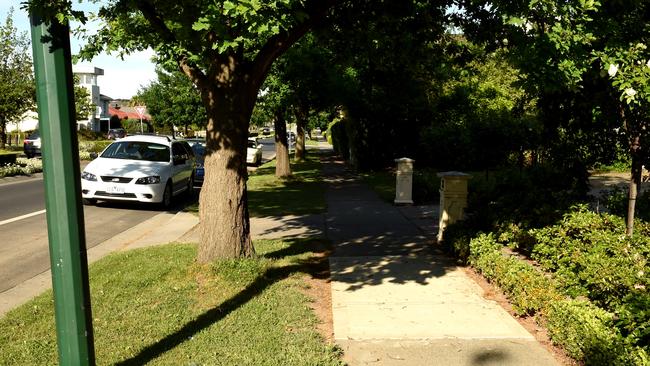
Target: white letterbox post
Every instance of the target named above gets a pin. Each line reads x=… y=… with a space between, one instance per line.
x=453 y=199
x=404 y=182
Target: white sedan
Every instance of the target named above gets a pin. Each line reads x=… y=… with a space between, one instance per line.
x=253 y=152
x=140 y=168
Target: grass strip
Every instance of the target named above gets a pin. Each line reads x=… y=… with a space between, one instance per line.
x=158 y=306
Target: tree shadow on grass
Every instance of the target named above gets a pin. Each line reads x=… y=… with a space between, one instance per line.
x=315 y=266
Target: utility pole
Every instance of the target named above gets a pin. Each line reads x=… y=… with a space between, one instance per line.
x=66 y=233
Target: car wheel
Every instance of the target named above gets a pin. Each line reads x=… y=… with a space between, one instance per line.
x=167 y=197
x=89 y=201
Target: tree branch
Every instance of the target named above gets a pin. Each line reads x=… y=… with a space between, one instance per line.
x=155 y=20
x=278 y=44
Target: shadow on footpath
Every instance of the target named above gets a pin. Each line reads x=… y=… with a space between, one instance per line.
x=376 y=242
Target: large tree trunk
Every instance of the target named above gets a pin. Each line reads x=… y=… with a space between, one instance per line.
x=635 y=183
x=223 y=204
x=282 y=166
x=301 y=123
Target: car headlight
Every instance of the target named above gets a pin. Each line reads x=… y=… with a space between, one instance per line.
x=148 y=180
x=89 y=176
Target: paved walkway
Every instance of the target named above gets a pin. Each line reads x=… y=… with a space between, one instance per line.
x=398 y=302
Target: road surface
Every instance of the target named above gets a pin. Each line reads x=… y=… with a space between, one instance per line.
x=23 y=229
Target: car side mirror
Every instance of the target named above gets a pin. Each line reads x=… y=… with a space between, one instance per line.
x=93 y=155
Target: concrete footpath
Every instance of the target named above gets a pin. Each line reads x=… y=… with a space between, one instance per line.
x=395 y=301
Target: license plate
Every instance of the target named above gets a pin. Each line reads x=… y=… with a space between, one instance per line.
x=115 y=190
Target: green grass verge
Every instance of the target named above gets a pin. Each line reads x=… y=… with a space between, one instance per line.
x=382 y=182
x=157 y=306
x=301 y=194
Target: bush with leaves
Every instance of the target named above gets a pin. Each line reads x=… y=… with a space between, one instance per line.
x=587 y=332
x=22 y=167
x=591 y=256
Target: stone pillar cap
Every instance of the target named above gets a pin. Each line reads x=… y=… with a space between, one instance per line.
x=454 y=174
x=404 y=160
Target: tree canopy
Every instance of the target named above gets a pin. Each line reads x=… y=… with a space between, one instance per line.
x=172 y=100
x=17 y=89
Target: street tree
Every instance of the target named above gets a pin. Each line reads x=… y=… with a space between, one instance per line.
x=226 y=49
x=173 y=100
x=570 y=46
x=82 y=102
x=17 y=90
x=274 y=104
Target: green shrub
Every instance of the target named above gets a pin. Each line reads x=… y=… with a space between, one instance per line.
x=22 y=167
x=426 y=186
x=337 y=136
x=527 y=288
x=456 y=239
x=591 y=256
x=8 y=158
x=86 y=134
x=615 y=201
x=633 y=319
x=587 y=333
x=93 y=146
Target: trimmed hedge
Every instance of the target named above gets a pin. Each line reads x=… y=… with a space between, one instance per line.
x=8 y=159
x=587 y=332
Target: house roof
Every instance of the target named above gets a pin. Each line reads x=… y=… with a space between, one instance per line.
x=126 y=112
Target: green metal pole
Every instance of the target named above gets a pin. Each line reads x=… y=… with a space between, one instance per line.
x=54 y=94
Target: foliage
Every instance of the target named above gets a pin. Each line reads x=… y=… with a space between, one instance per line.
x=337 y=135
x=158 y=306
x=93 y=146
x=172 y=100
x=615 y=202
x=528 y=289
x=82 y=103
x=22 y=167
x=89 y=135
x=483 y=116
x=587 y=332
x=591 y=256
x=531 y=197
x=17 y=88
x=384 y=95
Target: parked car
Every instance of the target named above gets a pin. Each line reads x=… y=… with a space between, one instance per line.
x=142 y=168
x=32 y=145
x=253 y=152
x=198 y=146
x=116 y=133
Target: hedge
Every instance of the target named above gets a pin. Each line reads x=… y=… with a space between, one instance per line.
x=8 y=159
x=587 y=332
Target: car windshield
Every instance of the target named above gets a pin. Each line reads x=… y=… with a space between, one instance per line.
x=137 y=150
x=34 y=136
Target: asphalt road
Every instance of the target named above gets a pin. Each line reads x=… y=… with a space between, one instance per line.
x=23 y=228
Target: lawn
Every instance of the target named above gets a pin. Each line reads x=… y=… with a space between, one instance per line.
x=303 y=193
x=158 y=306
